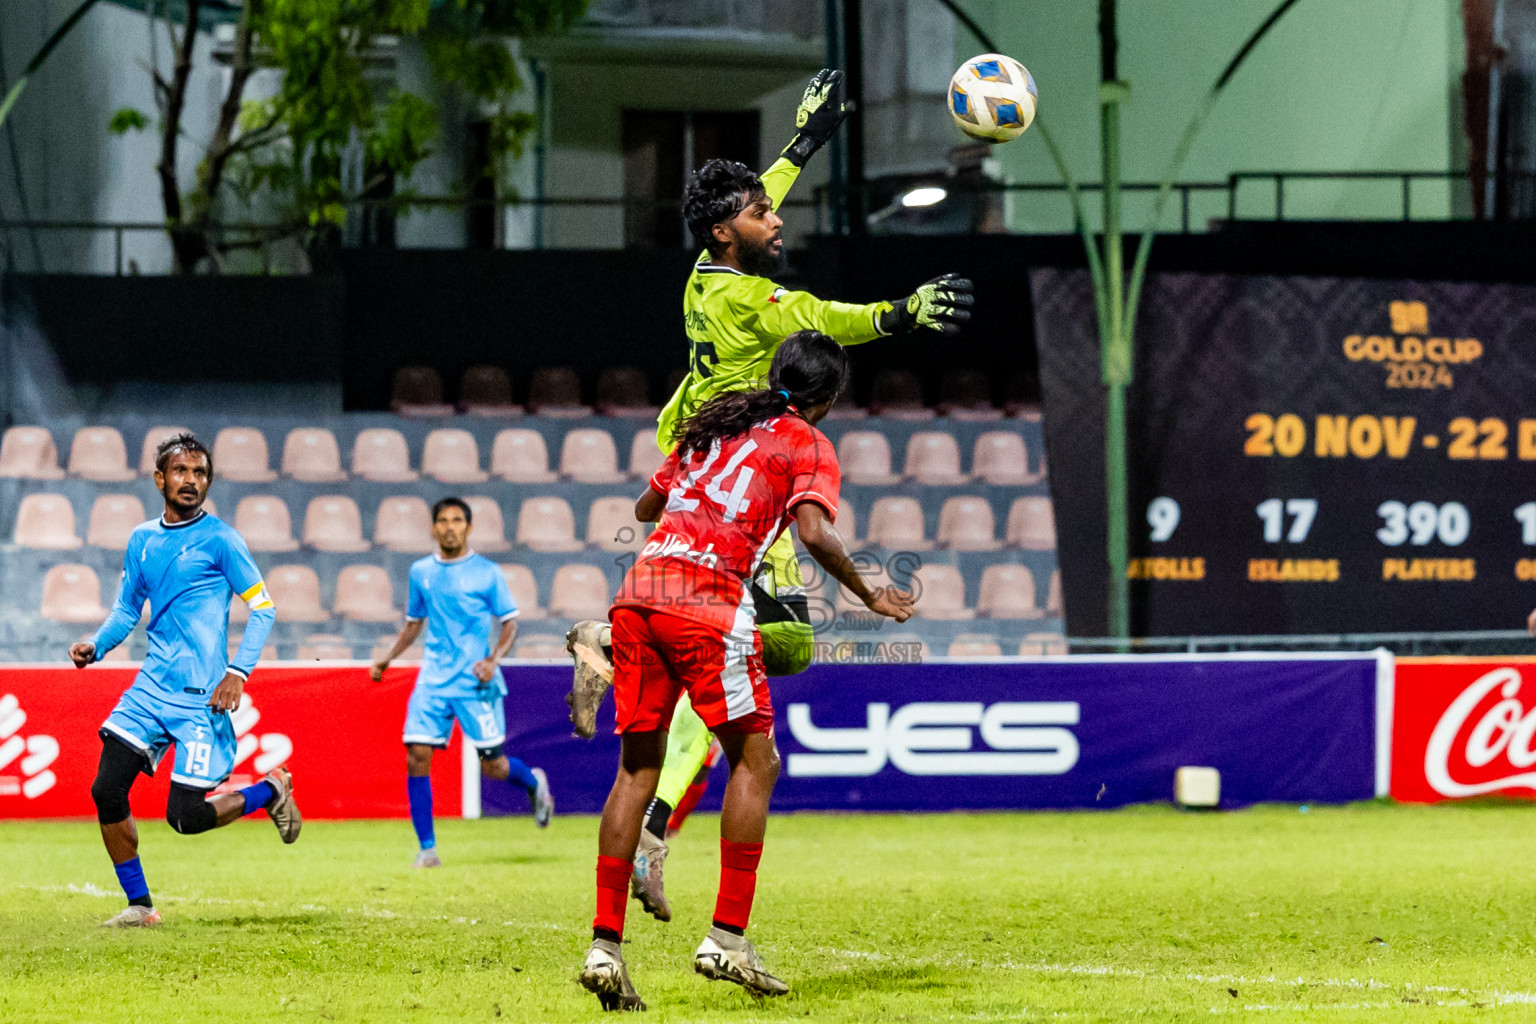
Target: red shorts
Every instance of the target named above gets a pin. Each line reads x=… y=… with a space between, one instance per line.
x=657 y=655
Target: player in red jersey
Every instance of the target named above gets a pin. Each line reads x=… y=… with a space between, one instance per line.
x=746 y=465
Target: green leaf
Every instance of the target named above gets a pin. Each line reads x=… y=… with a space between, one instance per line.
x=128 y=120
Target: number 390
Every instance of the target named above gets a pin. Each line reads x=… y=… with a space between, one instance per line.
x=1423 y=522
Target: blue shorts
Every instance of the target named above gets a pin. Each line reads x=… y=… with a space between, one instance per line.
x=204 y=739
x=429 y=719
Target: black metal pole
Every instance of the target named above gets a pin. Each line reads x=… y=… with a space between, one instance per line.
x=853 y=49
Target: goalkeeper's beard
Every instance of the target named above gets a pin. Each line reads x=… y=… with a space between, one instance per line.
x=762 y=260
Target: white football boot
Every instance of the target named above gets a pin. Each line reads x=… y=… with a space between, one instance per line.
x=726 y=956
x=540 y=800
x=134 y=917
x=427 y=859
x=645 y=882
x=605 y=976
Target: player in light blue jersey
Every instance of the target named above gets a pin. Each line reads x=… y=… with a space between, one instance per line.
x=185 y=564
x=457 y=595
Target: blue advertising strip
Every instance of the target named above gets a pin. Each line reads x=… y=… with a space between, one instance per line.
x=1053 y=733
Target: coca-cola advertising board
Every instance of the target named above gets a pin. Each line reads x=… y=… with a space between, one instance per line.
x=1464 y=727
x=337 y=730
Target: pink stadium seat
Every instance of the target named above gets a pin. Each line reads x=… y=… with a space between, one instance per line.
x=579 y=592
x=487 y=391
x=521 y=456
x=624 y=391
x=119 y=653
x=295 y=589
x=847 y=524
x=898 y=394
x=152 y=440
x=365 y=593
x=541 y=645
x=411 y=655
x=113 y=518
x=547 y=524
x=268 y=651
x=644 y=457
x=1053 y=594
x=490 y=529
x=589 y=457
x=324 y=647
x=897 y=525
x=908 y=642
x=29 y=453
x=72 y=593
x=46 y=522
x=525 y=592
x=418 y=391
x=332 y=522
x=99 y=453
x=940 y=592
x=240 y=454
x=263 y=521
x=556 y=392
x=865 y=458
x=966 y=524
x=966 y=395
x=611 y=525
x=311 y=454
x=1007 y=592
x=404 y=524
x=1031 y=525
x=209 y=507
x=933 y=457
x=380 y=454
x=971 y=645
x=1047 y=644
x=452 y=457
x=239 y=615
x=999 y=457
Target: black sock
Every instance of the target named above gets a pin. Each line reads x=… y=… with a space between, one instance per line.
x=142 y=901
x=729 y=928
x=608 y=934
x=656 y=818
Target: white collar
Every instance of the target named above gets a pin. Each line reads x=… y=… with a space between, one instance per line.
x=438 y=556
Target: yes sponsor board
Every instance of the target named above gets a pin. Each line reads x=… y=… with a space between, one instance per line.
x=1464 y=727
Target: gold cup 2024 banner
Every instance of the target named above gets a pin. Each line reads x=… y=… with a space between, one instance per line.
x=1307 y=455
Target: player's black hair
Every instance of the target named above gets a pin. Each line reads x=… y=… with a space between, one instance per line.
x=808 y=369
x=718 y=191
x=458 y=503
x=182 y=442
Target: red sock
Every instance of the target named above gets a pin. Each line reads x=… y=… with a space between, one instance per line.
x=612 y=893
x=738 y=882
x=685 y=806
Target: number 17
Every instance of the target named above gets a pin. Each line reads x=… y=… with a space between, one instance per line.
x=1274 y=511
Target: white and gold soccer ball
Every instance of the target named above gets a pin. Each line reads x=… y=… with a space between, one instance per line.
x=992 y=98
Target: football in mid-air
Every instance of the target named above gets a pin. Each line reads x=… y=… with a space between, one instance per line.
x=992 y=97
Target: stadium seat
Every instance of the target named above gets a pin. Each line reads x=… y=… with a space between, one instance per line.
x=864 y=457
x=1047 y=644
x=324 y=647
x=99 y=453
x=46 y=522
x=380 y=454
x=898 y=394
x=117 y=654
x=263 y=521
x=365 y=593
x=874 y=575
x=29 y=453
x=525 y=592
x=589 y=457
x=487 y=391
x=268 y=651
x=547 y=524
x=966 y=524
x=896 y=524
x=674 y=381
x=972 y=645
x=1021 y=394
x=933 y=457
x=556 y=391
x=908 y=640
x=490 y=532
x=966 y=395
x=210 y=507
x=295 y=589
x=152 y=440
x=1007 y=592
x=113 y=518
x=845 y=409
x=410 y=656
x=541 y=645
x=72 y=593
x=240 y=453
x=611 y=525
x=418 y=391
x=239 y=615
x=999 y=457
x=579 y=592
x=1031 y=525
x=847 y=524
x=624 y=391
x=452 y=457
x=332 y=522
x=644 y=457
x=520 y=456
x=404 y=524
x=312 y=455
x=1053 y=594
x=940 y=593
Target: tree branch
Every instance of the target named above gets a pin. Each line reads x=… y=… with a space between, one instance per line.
x=221 y=147
x=170 y=193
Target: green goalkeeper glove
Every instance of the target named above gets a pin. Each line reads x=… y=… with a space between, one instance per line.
x=821 y=113
x=942 y=304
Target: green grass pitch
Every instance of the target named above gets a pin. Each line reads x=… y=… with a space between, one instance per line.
x=1370 y=912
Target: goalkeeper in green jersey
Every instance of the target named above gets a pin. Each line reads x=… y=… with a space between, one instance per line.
x=736 y=316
